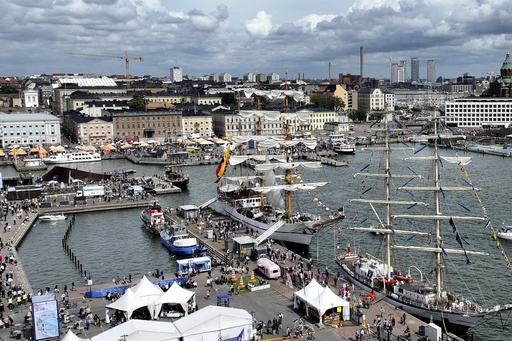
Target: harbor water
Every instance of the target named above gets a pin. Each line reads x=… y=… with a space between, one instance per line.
x=110 y=244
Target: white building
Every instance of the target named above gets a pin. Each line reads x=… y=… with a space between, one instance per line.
x=225 y=77
x=481 y=112
x=31 y=98
x=250 y=77
x=371 y=99
x=389 y=100
x=29 y=129
x=176 y=74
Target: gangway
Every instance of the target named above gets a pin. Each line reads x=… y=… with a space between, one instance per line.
x=208 y=203
x=268 y=232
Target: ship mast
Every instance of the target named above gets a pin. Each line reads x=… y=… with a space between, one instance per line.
x=438 y=212
x=287 y=150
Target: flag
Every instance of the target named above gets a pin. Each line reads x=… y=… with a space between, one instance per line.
x=452 y=224
x=221 y=168
x=457 y=238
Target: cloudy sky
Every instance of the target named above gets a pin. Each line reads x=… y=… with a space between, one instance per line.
x=234 y=36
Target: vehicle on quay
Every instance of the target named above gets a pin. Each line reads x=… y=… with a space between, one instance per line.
x=52 y=217
x=91 y=191
x=177 y=240
x=427 y=295
x=153 y=217
x=73 y=157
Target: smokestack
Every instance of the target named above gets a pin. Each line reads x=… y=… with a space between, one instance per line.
x=361 y=61
x=299 y=75
x=329 y=71
x=303 y=76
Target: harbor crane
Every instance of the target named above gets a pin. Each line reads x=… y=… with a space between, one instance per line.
x=125 y=57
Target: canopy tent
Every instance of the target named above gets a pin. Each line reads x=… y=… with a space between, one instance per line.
x=140 y=330
x=18 y=151
x=2 y=153
x=144 y=144
x=70 y=336
x=108 y=147
x=129 y=302
x=175 y=295
x=88 y=148
x=320 y=298
x=145 y=288
x=57 y=149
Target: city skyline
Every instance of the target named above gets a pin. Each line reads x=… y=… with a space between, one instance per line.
x=298 y=36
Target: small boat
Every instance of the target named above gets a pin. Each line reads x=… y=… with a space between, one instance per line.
x=344 y=147
x=52 y=217
x=175 y=175
x=176 y=239
x=153 y=217
x=505 y=233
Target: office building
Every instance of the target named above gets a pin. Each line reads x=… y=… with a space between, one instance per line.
x=431 y=71
x=176 y=74
x=415 y=70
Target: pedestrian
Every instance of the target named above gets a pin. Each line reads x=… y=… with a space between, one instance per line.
x=357 y=335
x=269 y=326
x=280 y=320
x=207 y=294
x=73 y=288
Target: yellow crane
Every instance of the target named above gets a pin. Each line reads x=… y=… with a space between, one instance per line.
x=125 y=57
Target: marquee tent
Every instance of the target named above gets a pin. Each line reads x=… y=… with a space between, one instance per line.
x=175 y=295
x=140 y=330
x=129 y=302
x=70 y=336
x=320 y=298
x=145 y=288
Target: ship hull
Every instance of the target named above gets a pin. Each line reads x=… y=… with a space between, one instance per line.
x=453 y=321
x=296 y=233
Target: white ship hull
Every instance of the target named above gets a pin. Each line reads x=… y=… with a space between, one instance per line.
x=297 y=233
x=74 y=157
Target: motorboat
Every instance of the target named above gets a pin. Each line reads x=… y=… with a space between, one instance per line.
x=52 y=217
x=505 y=233
x=175 y=175
x=73 y=157
x=153 y=217
x=177 y=240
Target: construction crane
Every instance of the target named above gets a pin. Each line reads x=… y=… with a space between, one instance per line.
x=125 y=57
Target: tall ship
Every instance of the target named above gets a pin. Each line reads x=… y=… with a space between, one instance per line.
x=176 y=176
x=261 y=199
x=423 y=290
x=73 y=157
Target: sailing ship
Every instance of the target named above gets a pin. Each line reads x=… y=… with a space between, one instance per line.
x=419 y=297
x=256 y=200
x=175 y=175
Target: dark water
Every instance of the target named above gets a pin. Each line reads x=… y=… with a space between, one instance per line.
x=114 y=243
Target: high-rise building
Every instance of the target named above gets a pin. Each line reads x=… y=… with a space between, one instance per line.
x=431 y=71
x=415 y=69
x=176 y=74
x=399 y=72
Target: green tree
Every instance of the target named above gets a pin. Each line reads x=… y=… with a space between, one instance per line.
x=358 y=115
x=320 y=101
x=138 y=103
x=228 y=98
x=336 y=103
x=8 y=90
x=376 y=115
x=329 y=102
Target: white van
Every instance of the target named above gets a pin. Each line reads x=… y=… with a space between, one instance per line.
x=268 y=268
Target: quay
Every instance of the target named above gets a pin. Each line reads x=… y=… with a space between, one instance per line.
x=95 y=206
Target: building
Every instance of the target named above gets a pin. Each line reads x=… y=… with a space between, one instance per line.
x=250 y=77
x=225 y=77
x=333 y=90
x=157 y=124
x=31 y=99
x=502 y=86
x=312 y=119
x=479 y=112
x=371 y=99
x=85 y=129
x=415 y=70
x=431 y=71
x=389 y=100
x=229 y=123
x=196 y=124
x=29 y=129
x=176 y=74
x=351 y=104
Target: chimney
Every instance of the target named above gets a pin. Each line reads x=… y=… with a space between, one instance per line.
x=361 y=61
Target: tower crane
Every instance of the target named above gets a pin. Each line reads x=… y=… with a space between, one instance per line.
x=125 y=57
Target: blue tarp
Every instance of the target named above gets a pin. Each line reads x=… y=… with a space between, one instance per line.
x=122 y=288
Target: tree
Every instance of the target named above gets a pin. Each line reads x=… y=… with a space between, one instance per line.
x=376 y=115
x=8 y=90
x=138 y=103
x=337 y=103
x=329 y=102
x=228 y=98
x=358 y=115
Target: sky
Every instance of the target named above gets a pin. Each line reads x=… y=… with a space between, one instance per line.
x=237 y=36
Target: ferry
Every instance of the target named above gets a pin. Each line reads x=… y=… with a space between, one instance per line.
x=73 y=157
x=176 y=239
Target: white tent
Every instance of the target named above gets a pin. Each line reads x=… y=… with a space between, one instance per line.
x=70 y=336
x=140 y=330
x=215 y=323
x=145 y=288
x=130 y=302
x=320 y=298
x=177 y=295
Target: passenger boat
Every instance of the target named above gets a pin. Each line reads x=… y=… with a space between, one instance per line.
x=344 y=147
x=177 y=240
x=73 y=157
x=175 y=175
x=505 y=233
x=427 y=295
x=52 y=217
x=153 y=217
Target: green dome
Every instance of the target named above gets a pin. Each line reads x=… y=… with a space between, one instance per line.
x=507 y=64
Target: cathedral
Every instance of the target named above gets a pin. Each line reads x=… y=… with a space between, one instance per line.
x=502 y=86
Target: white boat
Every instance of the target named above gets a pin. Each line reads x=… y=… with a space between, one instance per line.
x=427 y=297
x=344 y=147
x=52 y=217
x=257 y=201
x=505 y=233
x=73 y=157
x=153 y=217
